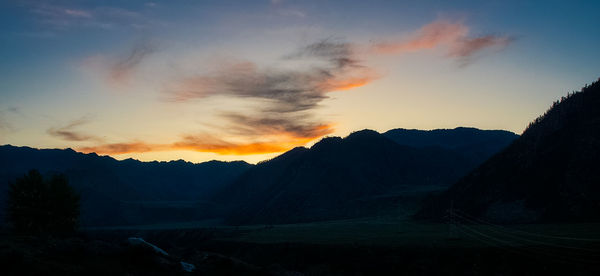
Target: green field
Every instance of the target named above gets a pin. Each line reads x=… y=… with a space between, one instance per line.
x=392 y=231
x=383 y=245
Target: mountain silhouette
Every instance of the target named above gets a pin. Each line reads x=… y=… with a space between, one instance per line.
x=549 y=174
x=474 y=143
x=123 y=192
x=366 y=173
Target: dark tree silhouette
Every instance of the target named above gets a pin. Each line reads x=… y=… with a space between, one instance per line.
x=37 y=205
x=548 y=175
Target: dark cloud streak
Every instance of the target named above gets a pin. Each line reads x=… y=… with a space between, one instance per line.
x=122 y=70
x=286 y=96
x=69 y=133
x=293 y=126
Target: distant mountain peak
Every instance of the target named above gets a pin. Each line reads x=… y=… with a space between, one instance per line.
x=367 y=136
x=326 y=142
x=364 y=132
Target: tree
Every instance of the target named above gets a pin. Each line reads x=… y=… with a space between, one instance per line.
x=37 y=206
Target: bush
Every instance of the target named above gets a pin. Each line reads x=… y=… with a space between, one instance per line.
x=38 y=206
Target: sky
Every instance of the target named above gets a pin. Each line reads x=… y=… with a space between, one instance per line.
x=248 y=80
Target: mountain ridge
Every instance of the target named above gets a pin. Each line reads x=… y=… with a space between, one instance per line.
x=322 y=182
x=108 y=185
x=130 y=191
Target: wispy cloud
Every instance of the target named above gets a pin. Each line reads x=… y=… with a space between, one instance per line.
x=66 y=16
x=285 y=99
x=286 y=10
x=275 y=126
x=427 y=37
x=282 y=99
x=121 y=71
x=335 y=68
x=469 y=46
x=69 y=131
x=77 y=13
x=453 y=36
x=121 y=148
x=291 y=13
x=287 y=96
x=59 y=17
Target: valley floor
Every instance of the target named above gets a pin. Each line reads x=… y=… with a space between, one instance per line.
x=367 y=246
x=387 y=245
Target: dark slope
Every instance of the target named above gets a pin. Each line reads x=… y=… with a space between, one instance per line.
x=359 y=175
x=478 y=145
x=550 y=174
x=123 y=192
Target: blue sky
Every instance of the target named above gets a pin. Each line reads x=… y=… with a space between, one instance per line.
x=201 y=80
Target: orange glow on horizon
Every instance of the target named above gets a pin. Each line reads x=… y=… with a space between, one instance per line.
x=279 y=143
x=241 y=149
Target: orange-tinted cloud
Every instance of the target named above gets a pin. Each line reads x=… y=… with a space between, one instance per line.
x=245 y=80
x=429 y=36
x=200 y=146
x=335 y=68
x=284 y=117
x=228 y=148
x=453 y=35
x=348 y=83
x=121 y=148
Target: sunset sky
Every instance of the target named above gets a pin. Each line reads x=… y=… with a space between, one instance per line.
x=247 y=80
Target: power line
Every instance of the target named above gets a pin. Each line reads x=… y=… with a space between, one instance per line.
x=510 y=246
x=527 y=233
x=514 y=236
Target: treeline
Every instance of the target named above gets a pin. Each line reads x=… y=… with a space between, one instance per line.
x=560 y=109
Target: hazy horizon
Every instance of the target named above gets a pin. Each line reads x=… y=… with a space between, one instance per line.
x=120 y=158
